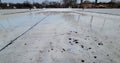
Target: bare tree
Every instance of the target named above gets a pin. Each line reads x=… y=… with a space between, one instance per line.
x=81 y=1
x=0 y=1
x=69 y=2
x=96 y=1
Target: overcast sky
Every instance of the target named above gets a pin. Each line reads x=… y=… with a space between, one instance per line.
x=20 y=1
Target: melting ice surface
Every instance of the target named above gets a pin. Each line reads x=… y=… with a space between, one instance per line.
x=64 y=36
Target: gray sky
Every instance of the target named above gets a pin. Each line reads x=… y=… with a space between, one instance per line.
x=20 y=1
